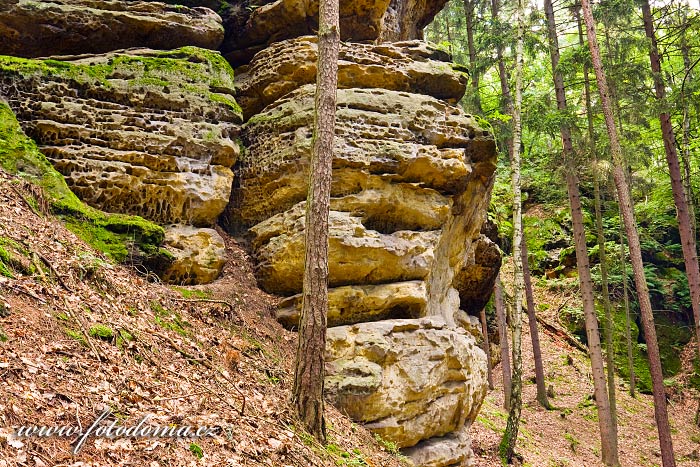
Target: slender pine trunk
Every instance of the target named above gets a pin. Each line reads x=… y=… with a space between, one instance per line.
x=628 y=318
x=470 y=15
x=647 y=317
x=606 y=419
x=534 y=332
x=503 y=338
x=309 y=370
x=486 y=346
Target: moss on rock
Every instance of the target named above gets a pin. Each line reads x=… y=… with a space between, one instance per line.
x=116 y=235
x=204 y=73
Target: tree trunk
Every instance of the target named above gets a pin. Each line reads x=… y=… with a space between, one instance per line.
x=690 y=255
x=486 y=347
x=470 y=15
x=503 y=76
x=503 y=338
x=606 y=418
x=534 y=332
x=602 y=256
x=628 y=318
x=449 y=33
x=309 y=371
x=685 y=153
x=510 y=435
x=647 y=317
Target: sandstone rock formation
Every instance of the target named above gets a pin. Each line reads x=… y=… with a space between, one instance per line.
x=408 y=380
x=412 y=175
x=145 y=132
x=142 y=132
x=405 y=19
x=409 y=66
x=254 y=25
x=199 y=255
x=156 y=134
x=56 y=27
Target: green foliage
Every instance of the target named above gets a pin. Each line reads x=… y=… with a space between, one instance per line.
x=192 y=293
x=573 y=441
x=390 y=447
x=76 y=335
x=354 y=458
x=168 y=319
x=101 y=331
x=196 y=451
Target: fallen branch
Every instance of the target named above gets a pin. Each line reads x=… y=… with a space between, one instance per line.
x=204 y=300
x=562 y=334
x=82 y=329
x=54 y=271
x=26 y=201
x=211 y=300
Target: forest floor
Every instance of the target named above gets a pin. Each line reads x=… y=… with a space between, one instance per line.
x=568 y=435
x=79 y=334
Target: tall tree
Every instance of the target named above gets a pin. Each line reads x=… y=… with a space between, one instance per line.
x=626 y=302
x=502 y=74
x=470 y=16
x=624 y=198
x=309 y=371
x=503 y=338
x=534 y=332
x=602 y=256
x=690 y=255
x=510 y=435
x=608 y=432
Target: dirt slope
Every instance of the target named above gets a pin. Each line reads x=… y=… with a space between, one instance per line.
x=78 y=334
x=568 y=436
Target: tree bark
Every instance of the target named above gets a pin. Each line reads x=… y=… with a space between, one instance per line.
x=647 y=317
x=503 y=338
x=692 y=269
x=510 y=435
x=309 y=372
x=628 y=318
x=685 y=153
x=486 y=347
x=606 y=418
x=534 y=332
x=470 y=15
x=502 y=74
x=602 y=256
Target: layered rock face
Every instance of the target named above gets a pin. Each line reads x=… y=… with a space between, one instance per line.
x=143 y=132
x=412 y=175
x=58 y=27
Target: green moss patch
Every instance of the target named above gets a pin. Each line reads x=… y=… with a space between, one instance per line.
x=192 y=70
x=101 y=331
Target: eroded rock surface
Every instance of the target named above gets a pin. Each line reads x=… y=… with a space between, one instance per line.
x=408 y=380
x=412 y=175
x=263 y=22
x=145 y=132
x=405 y=19
x=55 y=27
x=199 y=255
x=410 y=66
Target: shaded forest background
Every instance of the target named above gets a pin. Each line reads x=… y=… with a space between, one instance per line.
x=547 y=221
